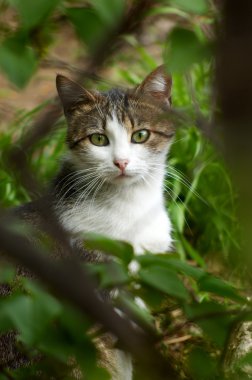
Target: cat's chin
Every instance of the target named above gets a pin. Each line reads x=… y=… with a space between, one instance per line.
x=124 y=179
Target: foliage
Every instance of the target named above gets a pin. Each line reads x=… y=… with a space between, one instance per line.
x=180 y=295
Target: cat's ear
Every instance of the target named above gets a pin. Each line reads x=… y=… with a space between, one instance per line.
x=157 y=85
x=71 y=93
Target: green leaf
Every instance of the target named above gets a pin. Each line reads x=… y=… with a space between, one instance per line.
x=88 y=25
x=184 y=49
x=75 y=323
x=172 y=263
x=110 y=11
x=201 y=365
x=17 y=60
x=6 y=323
x=44 y=303
x=30 y=315
x=138 y=311
x=222 y=288
x=33 y=13
x=152 y=297
x=192 y=252
x=194 y=6
x=165 y=280
x=56 y=344
x=120 y=249
x=110 y=274
x=7 y=273
x=167 y=10
x=178 y=216
x=212 y=318
x=19 y=310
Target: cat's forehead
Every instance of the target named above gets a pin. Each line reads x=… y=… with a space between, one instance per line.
x=126 y=106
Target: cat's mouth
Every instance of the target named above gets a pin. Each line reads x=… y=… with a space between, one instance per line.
x=122 y=176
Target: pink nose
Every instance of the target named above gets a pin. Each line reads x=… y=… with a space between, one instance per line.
x=121 y=164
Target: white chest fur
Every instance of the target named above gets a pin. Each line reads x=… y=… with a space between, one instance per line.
x=135 y=214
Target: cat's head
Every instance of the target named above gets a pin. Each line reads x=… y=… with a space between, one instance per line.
x=122 y=136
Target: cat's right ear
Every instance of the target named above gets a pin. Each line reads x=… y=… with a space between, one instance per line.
x=71 y=93
x=157 y=86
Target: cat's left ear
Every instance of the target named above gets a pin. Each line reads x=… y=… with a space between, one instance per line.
x=71 y=93
x=157 y=85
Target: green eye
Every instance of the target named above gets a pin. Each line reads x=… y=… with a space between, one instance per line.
x=98 y=139
x=140 y=137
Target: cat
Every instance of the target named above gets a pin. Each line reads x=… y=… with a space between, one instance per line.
x=111 y=179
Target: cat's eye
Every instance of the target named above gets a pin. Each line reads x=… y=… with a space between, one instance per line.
x=140 y=137
x=98 y=139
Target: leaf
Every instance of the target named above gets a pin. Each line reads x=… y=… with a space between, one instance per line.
x=75 y=322
x=184 y=49
x=178 y=215
x=56 y=344
x=192 y=252
x=152 y=297
x=110 y=274
x=171 y=263
x=33 y=13
x=120 y=249
x=201 y=365
x=19 y=310
x=17 y=60
x=140 y=312
x=7 y=273
x=212 y=318
x=30 y=315
x=165 y=280
x=110 y=11
x=222 y=288
x=167 y=10
x=88 y=25
x=97 y=373
x=6 y=323
x=44 y=303
x=194 y=6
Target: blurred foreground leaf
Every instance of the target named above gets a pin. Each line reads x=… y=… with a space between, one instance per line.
x=32 y=13
x=213 y=318
x=201 y=365
x=110 y=11
x=184 y=49
x=194 y=6
x=165 y=280
x=17 y=60
x=120 y=249
x=217 y=286
x=88 y=25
